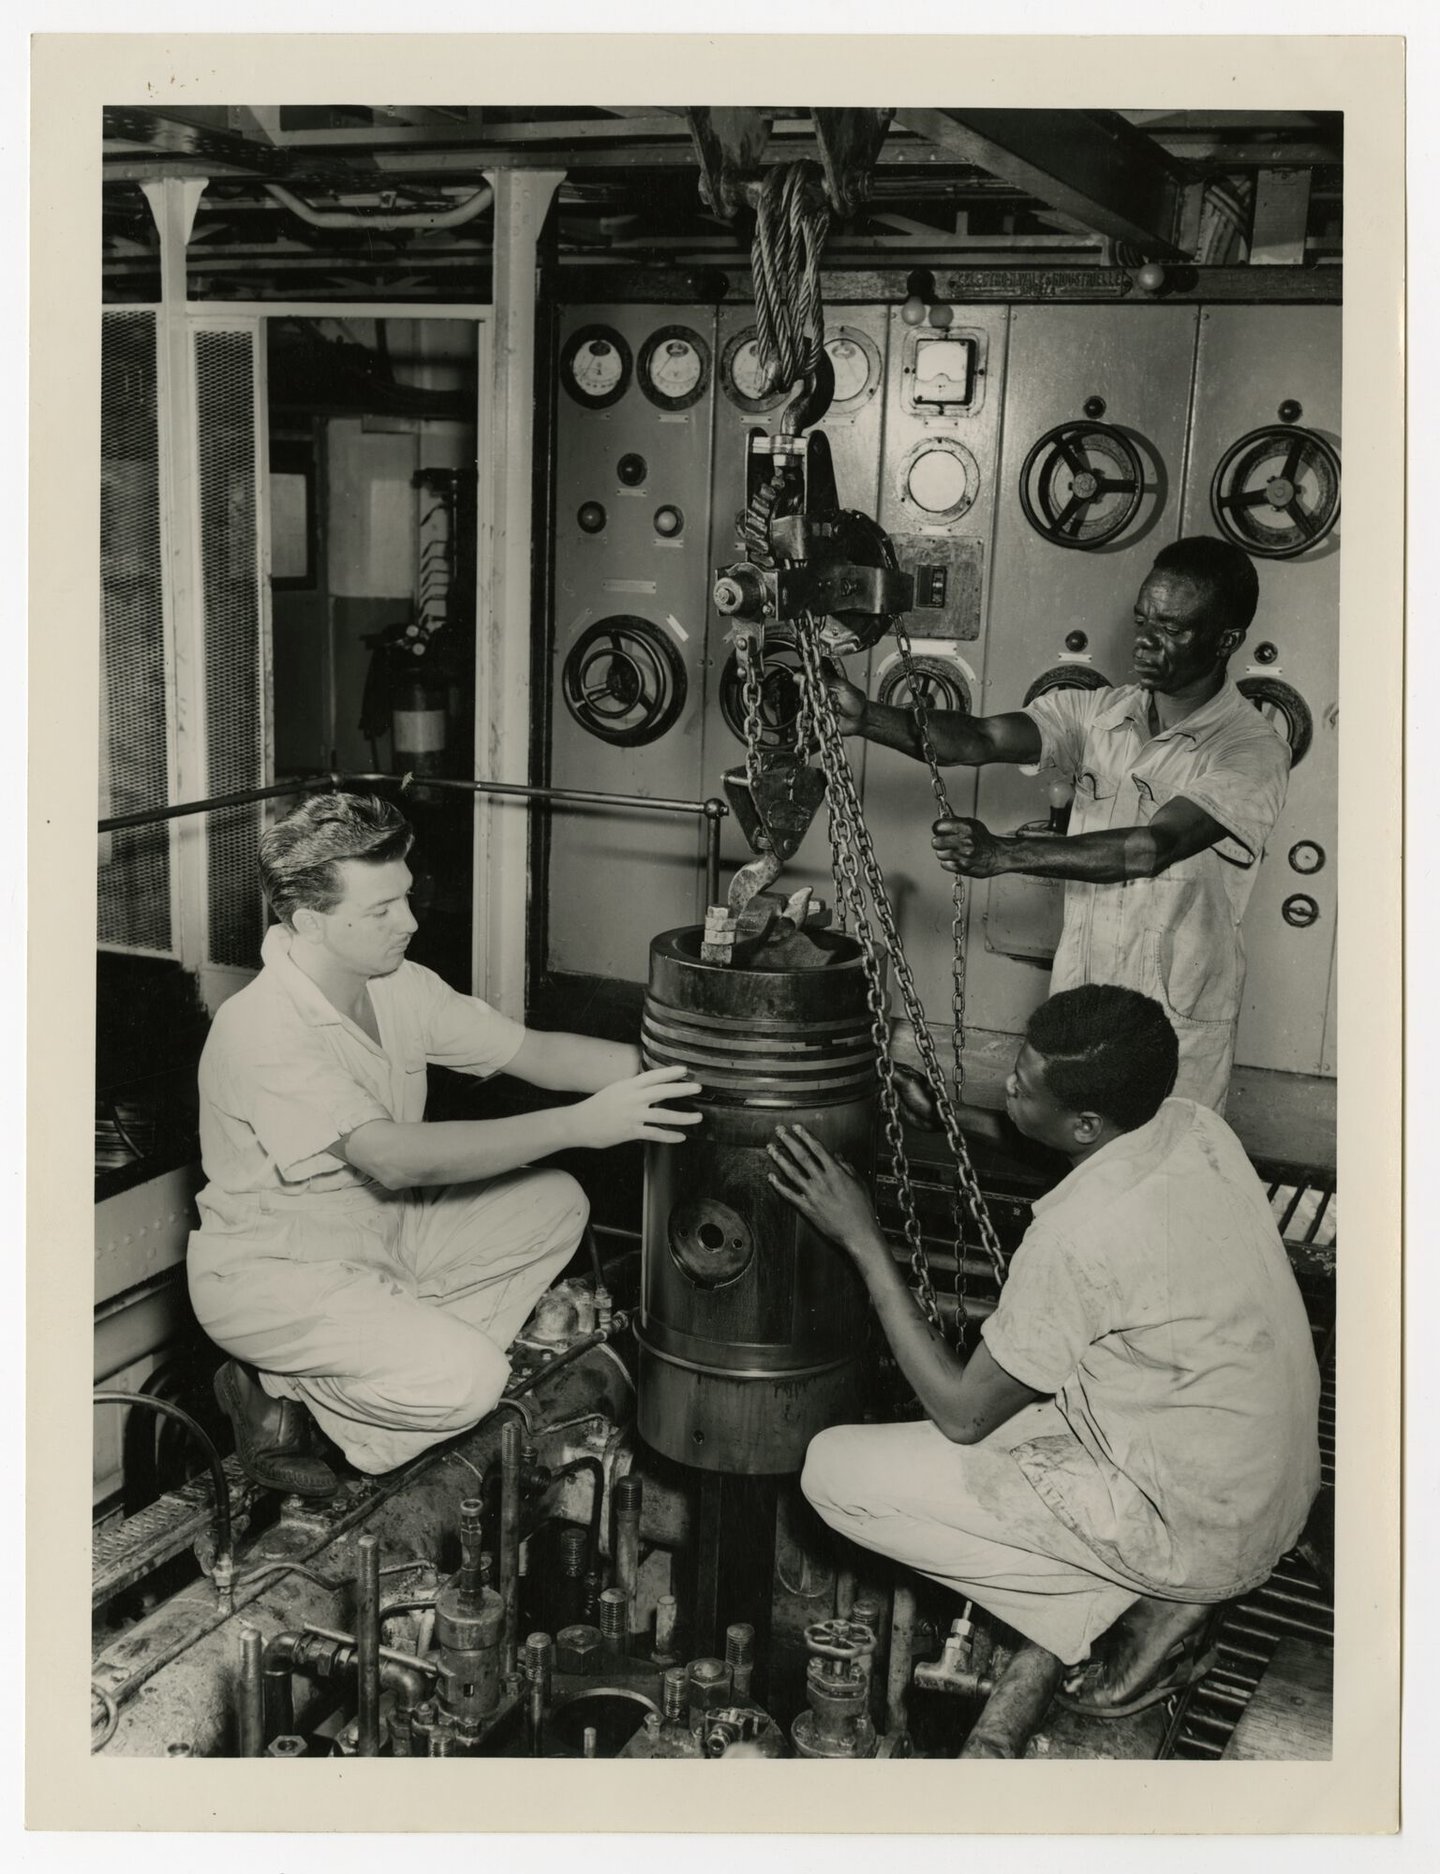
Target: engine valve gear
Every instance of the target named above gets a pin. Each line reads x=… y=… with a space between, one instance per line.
x=837 y=1689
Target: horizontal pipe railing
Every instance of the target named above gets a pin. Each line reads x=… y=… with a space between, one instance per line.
x=712 y=811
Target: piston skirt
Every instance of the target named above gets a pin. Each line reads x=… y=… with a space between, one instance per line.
x=751 y=1323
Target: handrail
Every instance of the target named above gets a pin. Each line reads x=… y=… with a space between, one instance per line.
x=712 y=811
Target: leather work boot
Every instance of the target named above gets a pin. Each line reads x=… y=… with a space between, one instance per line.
x=271 y=1436
x=1155 y=1648
x=1015 y=1709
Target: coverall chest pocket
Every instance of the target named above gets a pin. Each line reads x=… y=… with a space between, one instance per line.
x=1096 y=797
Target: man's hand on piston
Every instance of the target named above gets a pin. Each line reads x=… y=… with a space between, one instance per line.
x=823 y=1189
x=636 y=1109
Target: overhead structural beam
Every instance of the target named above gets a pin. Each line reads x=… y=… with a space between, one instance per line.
x=1090 y=165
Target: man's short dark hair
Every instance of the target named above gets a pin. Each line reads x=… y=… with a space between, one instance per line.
x=1223 y=571
x=300 y=855
x=1106 y=1050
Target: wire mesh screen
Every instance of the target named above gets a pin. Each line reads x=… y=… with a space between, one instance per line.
x=134 y=867
x=234 y=705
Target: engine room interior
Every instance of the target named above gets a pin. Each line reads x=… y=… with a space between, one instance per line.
x=562 y=477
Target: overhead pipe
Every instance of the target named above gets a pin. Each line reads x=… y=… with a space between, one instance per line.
x=418 y=221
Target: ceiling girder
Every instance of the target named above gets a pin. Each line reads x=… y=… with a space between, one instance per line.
x=1091 y=165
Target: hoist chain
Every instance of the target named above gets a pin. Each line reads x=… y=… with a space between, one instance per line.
x=849 y=857
x=920 y=709
x=748 y=654
x=860 y=859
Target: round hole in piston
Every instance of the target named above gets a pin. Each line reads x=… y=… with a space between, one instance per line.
x=710 y=1242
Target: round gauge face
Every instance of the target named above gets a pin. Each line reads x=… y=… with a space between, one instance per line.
x=674 y=367
x=942 y=480
x=595 y=366
x=856 y=363
x=742 y=377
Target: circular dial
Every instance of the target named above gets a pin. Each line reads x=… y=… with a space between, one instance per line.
x=940 y=478
x=855 y=360
x=942 y=684
x=1081 y=485
x=674 y=367
x=595 y=366
x=1067 y=677
x=741 y=376
x=624 y=681
x=780 y=679
x=1277 y=491
x=1284 y=709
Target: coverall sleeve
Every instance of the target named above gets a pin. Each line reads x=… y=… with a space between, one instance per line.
x=1048 y=1314
x=462 y=1032
x=1244 y=789
x=1063 y=718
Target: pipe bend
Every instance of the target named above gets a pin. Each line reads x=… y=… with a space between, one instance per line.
x=421 y=221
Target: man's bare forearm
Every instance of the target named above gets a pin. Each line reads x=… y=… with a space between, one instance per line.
x=933 y=1368
x=457 y=1151
x=1098 y=858
x=958 y=741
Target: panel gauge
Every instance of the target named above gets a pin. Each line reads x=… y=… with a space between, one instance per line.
x=855 y=358
x=674 y=368
x=595 y=366
x=741 y=376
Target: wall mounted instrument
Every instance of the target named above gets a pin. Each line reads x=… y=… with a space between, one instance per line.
x=1081 y=485
x=1276 y=492
x=595 y=366
x=674 y=367
x=624 y=681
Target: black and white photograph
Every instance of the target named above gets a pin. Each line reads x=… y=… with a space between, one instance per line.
x=718 y=1088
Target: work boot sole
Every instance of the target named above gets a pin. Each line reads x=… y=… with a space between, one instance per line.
x=293 y=1472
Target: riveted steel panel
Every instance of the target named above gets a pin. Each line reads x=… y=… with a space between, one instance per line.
x=617 y=875
x=1253 y=359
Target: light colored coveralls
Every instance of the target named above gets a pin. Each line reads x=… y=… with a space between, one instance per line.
x=1175 y=937
x=1178 y=1455
x=386 y=1312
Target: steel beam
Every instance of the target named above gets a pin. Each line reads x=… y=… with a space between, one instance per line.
x=1091 y=165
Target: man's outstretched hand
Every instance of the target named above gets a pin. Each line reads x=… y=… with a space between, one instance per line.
x=823 y=1189
x=636 y=1109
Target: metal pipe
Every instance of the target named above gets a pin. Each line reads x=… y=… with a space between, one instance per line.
x=902 y=1658
x=539 y=1670
x=618 y=1323
x=252 y=1692
x=410 y=1688
x=712 y=810
x=509 y=1544
x=420 y=220
x=666 y=1617
x=223 y=1572
x=367 y=1647
x=629 y=1495
x=470 y=1583
x=277 y=1692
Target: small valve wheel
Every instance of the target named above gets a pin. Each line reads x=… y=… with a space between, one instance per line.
x=1300 y=910
x=1081 y=485
x=1276 y=492
x=624 y=681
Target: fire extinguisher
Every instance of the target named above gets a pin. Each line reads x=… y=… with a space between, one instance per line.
x=418 y=715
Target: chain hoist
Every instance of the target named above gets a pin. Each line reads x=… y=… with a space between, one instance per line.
x=830 y=578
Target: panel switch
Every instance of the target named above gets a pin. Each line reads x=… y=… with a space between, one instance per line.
x=932 y=584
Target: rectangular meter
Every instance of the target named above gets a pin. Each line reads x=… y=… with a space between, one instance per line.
x=943 y=370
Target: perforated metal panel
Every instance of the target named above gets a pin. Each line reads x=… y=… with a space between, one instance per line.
x=225 y=397
x=134 y=868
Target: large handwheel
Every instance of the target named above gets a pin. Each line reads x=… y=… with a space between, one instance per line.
x=1067 y=677
x=624 y=681
x=1285 y=709
x=1276 y=492
x=1082 y=485
x=780 y=680
x=940 y=681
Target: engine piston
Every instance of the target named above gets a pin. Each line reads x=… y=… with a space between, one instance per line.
x=751 y=1324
